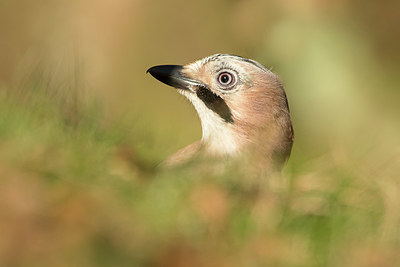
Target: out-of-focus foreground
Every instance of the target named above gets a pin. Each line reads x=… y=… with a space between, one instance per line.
x=82 y=127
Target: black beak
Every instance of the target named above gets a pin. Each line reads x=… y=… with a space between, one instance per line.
x=173 y=76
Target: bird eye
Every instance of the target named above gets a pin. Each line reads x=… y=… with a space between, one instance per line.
x=226 y=79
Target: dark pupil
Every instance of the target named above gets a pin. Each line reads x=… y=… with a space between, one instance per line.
x=225 y=78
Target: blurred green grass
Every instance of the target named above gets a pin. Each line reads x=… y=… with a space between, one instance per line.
x=82 y=128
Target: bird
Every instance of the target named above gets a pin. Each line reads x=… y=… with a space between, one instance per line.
x=242 y=106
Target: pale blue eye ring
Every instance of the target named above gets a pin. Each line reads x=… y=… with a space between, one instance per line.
x=226 y=79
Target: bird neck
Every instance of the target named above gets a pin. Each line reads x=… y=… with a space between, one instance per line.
x=218 y=136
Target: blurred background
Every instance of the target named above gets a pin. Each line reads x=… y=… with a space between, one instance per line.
x=82 y=127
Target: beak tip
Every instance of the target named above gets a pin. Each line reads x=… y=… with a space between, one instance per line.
x=149 y=70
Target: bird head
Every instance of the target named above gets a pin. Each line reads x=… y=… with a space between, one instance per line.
x=241 y=104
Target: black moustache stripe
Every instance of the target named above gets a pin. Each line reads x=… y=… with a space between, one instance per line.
x=215 y=103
